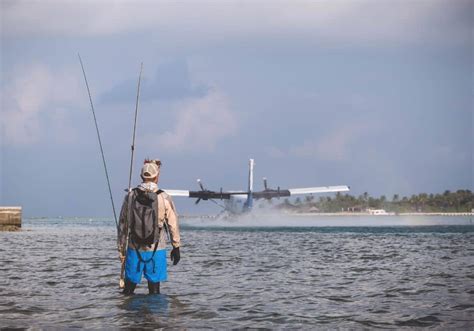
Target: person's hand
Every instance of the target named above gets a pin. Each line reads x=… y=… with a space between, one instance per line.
x=175 y=256
x=121 y=257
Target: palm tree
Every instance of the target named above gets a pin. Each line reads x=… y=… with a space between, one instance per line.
x=423 y=198
x=366 y=199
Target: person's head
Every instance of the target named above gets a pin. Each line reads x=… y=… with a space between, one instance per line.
x=151 y=171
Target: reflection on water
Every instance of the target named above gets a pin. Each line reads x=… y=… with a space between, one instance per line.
x=147 y=304
x=64 y=273
x=146 y=310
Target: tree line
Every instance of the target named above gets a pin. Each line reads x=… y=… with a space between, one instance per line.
x=459 y=201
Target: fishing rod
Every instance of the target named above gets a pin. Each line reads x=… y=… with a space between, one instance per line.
x=134 y=130
x=100 y=142
x=122 y=269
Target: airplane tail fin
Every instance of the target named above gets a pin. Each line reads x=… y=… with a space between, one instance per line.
x=249 y=202
x=251 y=165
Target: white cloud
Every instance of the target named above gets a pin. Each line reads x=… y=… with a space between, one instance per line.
x=334 y=21
x=34 y=100
x=200 y=124
x=275 y=152
x=334 y=146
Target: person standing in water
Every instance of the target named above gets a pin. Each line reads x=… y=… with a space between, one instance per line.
x=147 y=214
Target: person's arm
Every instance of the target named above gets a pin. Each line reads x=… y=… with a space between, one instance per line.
x=123 y=227
x=173 y=227
x=172 y=222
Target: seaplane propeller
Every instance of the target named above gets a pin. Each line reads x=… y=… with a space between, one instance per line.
x=200 y=185
x=202 y=189
x=205 y=194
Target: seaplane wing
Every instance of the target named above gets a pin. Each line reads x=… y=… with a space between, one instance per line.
x=320 y=189
x=204 y=194
x=177 y=193
x=278 y=193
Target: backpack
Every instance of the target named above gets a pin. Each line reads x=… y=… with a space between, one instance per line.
x=144 y=227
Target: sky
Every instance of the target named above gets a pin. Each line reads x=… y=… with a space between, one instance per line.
x=376 y=95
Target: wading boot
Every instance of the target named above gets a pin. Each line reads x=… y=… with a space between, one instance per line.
x=129 y=287
x=153 y=288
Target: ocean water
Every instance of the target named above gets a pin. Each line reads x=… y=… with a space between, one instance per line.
x=321 y=273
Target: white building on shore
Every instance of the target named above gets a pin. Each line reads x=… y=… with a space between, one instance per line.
x=378 y=212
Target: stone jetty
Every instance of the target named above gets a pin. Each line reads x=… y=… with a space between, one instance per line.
x=10 y=218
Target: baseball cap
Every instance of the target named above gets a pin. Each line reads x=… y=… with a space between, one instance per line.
x=150 y=170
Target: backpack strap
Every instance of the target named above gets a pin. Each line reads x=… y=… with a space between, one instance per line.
x=141 y=260
x=158 y=193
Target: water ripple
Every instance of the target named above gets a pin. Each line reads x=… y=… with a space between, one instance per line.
x=243 y=278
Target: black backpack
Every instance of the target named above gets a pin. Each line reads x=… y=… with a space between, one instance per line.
x=144 y=227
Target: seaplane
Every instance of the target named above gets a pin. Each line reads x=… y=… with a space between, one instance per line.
x=239 y=202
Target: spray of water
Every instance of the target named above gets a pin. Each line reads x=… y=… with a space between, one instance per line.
x=269 y=217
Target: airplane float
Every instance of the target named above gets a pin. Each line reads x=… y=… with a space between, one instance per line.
x=238 y=202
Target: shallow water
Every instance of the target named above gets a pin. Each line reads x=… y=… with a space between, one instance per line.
x=64 y=273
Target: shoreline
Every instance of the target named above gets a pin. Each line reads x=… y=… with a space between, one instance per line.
x=392 y=215
x=346 y=214
x=339 y=214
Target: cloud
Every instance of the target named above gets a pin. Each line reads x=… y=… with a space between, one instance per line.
x=334 y=21
x=275 y=152
x=34 y=101
x=201 y=123
x=171 y=82
x=333 y=146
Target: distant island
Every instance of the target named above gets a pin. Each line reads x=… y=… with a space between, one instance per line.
x=461 y=201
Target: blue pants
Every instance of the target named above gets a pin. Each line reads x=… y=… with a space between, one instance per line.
x=154 y=270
